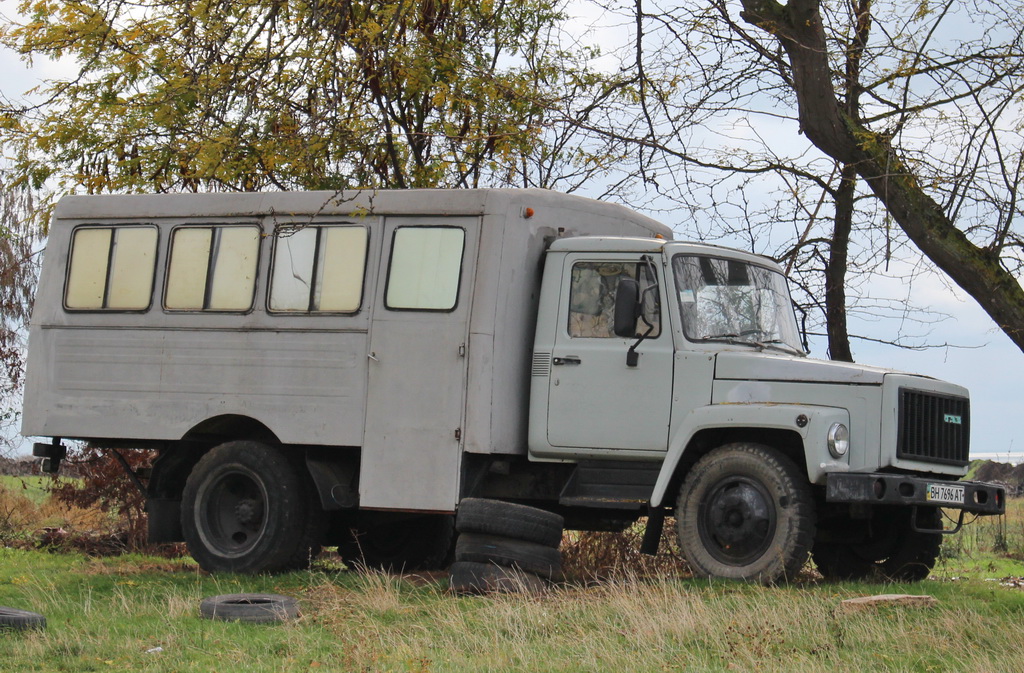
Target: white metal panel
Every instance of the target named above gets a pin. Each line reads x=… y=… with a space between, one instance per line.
x=757 y=365
x=146 y=400
x=308 y=388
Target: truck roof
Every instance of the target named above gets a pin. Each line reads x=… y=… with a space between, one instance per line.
x=443 y=202
x=655 y=245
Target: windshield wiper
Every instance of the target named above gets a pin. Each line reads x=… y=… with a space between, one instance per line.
x=776 y=344
x=779 y=344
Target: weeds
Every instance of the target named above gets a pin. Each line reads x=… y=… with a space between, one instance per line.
x=1001 y=536
x=597 y=556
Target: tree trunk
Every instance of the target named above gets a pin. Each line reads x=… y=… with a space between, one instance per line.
x=835 y=269
x=978 y=271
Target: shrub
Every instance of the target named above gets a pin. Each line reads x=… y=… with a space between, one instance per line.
x=104 y=485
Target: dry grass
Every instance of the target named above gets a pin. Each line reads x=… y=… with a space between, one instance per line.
x=105 y=614
x=27 y=520
x=598 y=556
x=619 y=611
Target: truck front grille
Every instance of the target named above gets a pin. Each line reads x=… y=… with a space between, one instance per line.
x=934 y=428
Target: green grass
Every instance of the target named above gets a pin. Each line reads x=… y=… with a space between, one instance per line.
x=105 y=614
x=991 y=546
x=34 y=488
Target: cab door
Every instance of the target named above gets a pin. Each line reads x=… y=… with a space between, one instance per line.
x=596 y=402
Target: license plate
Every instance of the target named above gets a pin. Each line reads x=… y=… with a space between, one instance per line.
x=946 y=493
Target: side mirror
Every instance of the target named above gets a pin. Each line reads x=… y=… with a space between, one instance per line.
x=627 y=307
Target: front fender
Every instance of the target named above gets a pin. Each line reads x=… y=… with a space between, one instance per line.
x=727 y=417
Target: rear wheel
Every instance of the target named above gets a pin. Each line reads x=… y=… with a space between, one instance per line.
x=745 y=512
x=246 y=509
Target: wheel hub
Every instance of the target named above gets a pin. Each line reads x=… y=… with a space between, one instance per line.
x=249 y=511
x=737 y=520
x=234 y=513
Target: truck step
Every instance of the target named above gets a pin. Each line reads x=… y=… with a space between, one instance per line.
x=617 y=484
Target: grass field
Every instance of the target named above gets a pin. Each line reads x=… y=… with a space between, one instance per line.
x=141 y=613
x=109 y=614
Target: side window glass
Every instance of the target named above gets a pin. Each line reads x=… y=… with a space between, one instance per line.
x=111 y=268
x=592 y=298
x=426 y=264
x=212 y=268
x=318 y=269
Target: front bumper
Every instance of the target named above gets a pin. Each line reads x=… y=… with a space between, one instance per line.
x=899 y=489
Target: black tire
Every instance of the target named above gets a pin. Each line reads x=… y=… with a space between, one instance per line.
x=467 y=577
x=526 y=556
x=839 y=562
x=12 y=619
x=252 y=608
x=421 y=543
x=745 y=512
x=886 y=548
x=511 y=520
x=915 y=553
x=246 y=508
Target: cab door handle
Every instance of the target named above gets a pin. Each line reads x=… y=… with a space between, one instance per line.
x=567 y=360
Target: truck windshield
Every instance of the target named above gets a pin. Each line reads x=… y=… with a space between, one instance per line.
x=736 y=302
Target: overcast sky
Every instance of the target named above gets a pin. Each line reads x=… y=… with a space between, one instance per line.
x=989 y=365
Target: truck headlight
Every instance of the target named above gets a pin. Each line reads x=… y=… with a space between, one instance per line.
x=838 y=440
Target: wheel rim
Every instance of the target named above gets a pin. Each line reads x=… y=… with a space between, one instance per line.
x=736 y=520
x=232 y=513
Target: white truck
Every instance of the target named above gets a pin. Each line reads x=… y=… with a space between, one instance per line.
x=315 y=366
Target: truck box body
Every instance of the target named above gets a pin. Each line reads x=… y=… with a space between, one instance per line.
x=413 y=388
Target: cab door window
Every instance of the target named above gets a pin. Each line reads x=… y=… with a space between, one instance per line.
x=592 y=298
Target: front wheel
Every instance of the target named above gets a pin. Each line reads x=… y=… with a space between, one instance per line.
x=745 y=512
x=246 y=509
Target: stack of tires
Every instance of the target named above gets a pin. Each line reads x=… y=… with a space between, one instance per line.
x=504 y=546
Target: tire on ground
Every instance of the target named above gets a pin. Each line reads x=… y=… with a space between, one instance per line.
x=468 y=577
x=890 y=549
x=247 y=508
x=745 y=512
x=252 y=608
x=511 y=520
x=915 y=554
x=12 y=619
x=529 y=557
x=420 y=543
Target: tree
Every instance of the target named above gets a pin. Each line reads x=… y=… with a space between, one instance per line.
x=909 y=126
x=847 y=136
x=19 y=237
x=177 y=95
x=911 y=113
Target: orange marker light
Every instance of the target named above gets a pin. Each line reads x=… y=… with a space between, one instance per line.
x=527 y=213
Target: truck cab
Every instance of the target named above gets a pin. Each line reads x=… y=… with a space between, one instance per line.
x=682 y=364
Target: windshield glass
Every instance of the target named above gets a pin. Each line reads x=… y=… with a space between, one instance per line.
x=730 y=300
